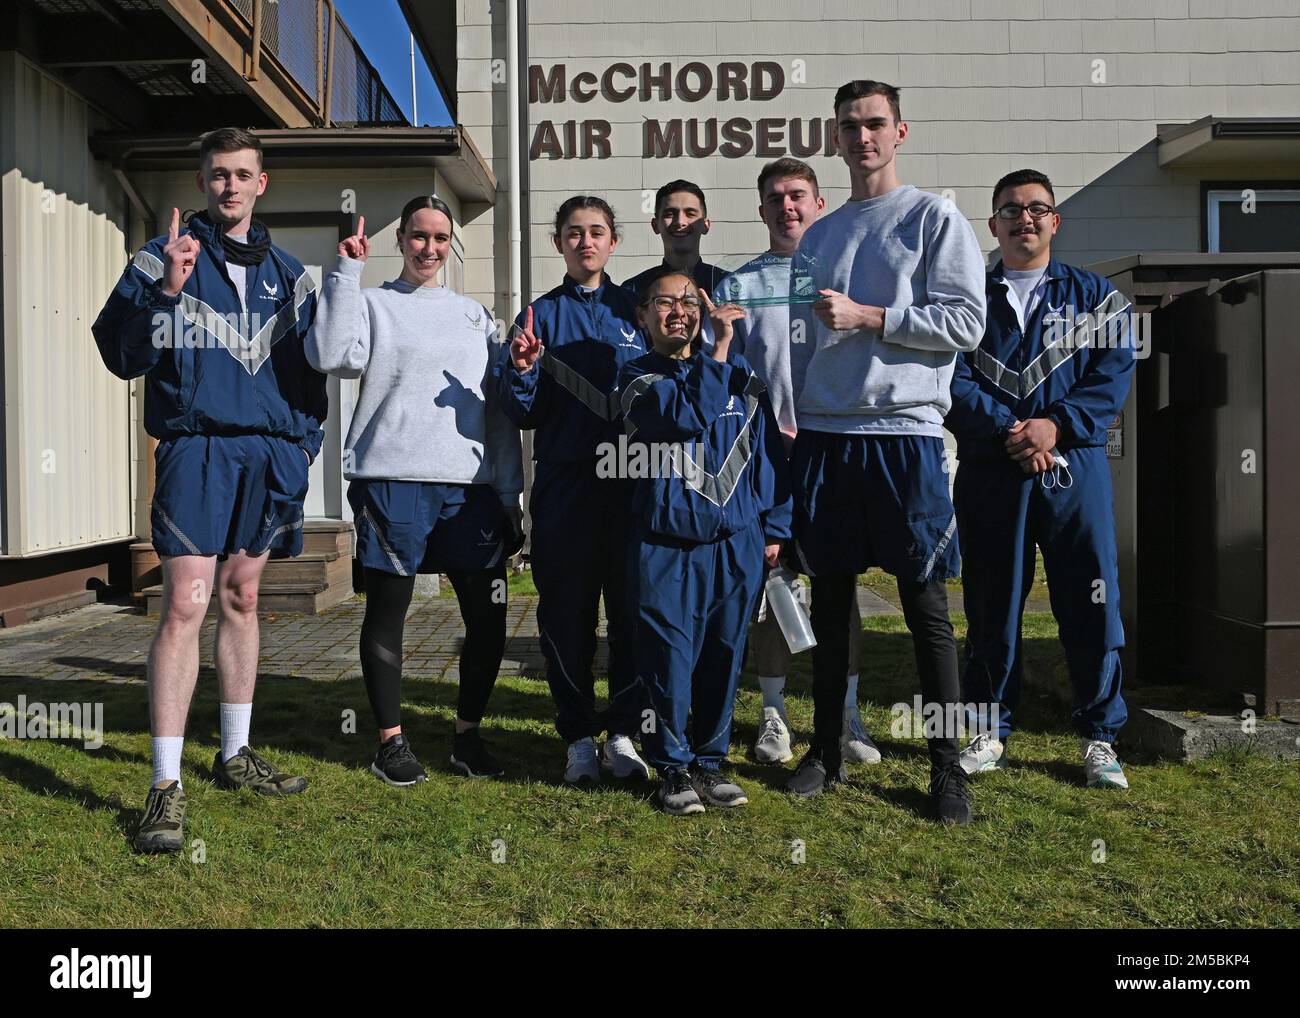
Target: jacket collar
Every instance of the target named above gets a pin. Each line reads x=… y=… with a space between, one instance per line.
x=996 y=274
x=570 y=287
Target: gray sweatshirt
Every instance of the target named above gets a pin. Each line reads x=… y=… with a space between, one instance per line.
x=914 y=254
x=427 y=409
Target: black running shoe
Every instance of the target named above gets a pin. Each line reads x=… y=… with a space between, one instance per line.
x=816 y=773
x=396 y=764
x=949 y=794
x=470 y=755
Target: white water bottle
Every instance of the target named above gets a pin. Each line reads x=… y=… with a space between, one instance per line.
x=785 y=604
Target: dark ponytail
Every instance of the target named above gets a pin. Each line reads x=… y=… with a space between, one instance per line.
x=585 y=201
x=424 y=201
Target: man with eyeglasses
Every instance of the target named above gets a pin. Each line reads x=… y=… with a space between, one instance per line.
x=1030 y=409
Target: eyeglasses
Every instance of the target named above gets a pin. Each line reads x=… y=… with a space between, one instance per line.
x=1036 y=209
x=668 y=303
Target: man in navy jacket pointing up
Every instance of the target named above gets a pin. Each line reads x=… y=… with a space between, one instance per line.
x=214 y=316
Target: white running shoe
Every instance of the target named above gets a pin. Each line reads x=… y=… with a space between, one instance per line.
x=773 y=742
x=983 y=753
x=620 y=757
x=582 y=765
x=1101 y=765
x=856 y=745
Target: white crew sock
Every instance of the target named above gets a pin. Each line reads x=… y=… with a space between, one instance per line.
x=167 y=757
x=851 y=694
x=773 y=687
x=235 y=719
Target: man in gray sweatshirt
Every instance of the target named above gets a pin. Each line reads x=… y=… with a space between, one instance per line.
x=899 y=279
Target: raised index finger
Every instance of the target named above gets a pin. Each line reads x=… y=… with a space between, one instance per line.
x=361 y=226
x=708 y=304
x=528 y=319
x=174 y=230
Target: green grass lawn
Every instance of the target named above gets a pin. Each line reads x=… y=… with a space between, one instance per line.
x=1210 y=844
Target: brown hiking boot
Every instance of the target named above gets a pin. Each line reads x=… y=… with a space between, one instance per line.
x=248 y=770
x=162 y=828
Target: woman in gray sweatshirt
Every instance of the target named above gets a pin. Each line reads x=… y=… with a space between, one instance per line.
x=435 y=468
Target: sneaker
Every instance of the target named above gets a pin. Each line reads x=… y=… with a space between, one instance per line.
x=949 y=795
x=620 y=758
x=396 y=765
x=470 y=755
x=812 y=776
x=856 y=745
x=162 y=828
x=582 y=765
x=716 y=790
x=677 y=795
x=248 y=770
x=983 y=753
x=773 y=742
x=1101 y=765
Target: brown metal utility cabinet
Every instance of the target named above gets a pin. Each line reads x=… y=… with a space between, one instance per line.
x=1208 y=484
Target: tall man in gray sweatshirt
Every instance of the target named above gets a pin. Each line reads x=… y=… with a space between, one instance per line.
x=900 y=281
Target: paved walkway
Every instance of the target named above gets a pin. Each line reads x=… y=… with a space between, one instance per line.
x=110 y=641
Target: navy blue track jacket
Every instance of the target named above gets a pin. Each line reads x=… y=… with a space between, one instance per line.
x=1074 y=370
x=211 y=369
x=730 y=468
x=569 y=395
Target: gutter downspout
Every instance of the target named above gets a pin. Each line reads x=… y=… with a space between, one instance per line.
x=514 y=296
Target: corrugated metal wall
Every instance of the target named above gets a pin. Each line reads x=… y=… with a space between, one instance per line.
x=67 y=422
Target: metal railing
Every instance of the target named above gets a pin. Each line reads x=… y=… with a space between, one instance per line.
x=313 y=45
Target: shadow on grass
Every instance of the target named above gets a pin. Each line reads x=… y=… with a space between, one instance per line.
x=40 y=780
x=887 y=676
x=311 y=717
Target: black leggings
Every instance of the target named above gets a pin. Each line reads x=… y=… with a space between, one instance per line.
x=925 y=608
x=483 y=609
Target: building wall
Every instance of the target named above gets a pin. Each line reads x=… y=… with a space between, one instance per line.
x=67 y=446
x=988 y=86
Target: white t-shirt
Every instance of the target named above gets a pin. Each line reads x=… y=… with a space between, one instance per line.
x=239 y=273
x=1024 y=290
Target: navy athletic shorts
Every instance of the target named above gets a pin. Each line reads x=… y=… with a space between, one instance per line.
x=409 y=527
x=873 y=500
x=222 y=494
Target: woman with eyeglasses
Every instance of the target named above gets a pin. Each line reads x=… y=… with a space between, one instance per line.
x=558 y=377
x=706 y=522
x=436 y=470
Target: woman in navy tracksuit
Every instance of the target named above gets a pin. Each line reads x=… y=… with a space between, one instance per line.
x=558 y=377
x=707 y=521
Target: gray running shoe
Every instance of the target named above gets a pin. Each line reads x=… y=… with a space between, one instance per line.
x=716 y=790
x=582 y=764
x=856 y=744
x=983 y=753
x=773 y=742
x=677 y=795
